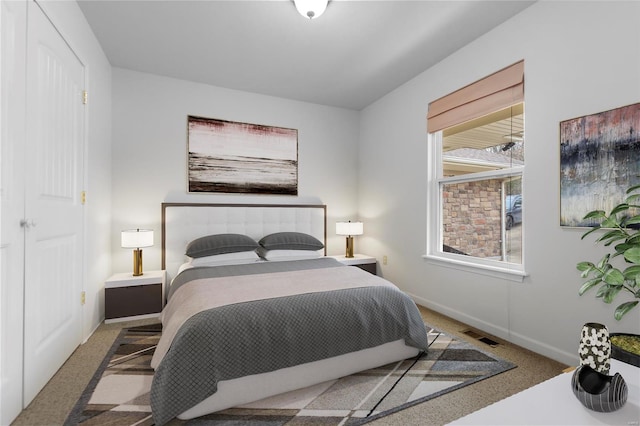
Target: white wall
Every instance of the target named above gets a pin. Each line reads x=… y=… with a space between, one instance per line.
x=71 y=23
x=150 y=152
x=580 y=58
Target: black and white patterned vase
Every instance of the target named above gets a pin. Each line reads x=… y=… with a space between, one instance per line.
x=597 y=391
x=595 y=347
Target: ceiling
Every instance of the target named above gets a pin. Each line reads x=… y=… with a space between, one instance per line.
x=352 y=55
x=492 y=130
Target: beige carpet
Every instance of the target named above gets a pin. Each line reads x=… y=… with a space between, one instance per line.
x=56 y=400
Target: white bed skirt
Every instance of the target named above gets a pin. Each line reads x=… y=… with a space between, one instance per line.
x=237 y=392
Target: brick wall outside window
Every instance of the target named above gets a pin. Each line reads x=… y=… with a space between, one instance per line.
x=472 y=221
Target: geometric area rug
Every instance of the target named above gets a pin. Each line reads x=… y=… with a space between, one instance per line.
x=118 y=394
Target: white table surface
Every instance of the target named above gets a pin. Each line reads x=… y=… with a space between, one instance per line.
x=357 y=259
x=127 y=279
x=553 y=403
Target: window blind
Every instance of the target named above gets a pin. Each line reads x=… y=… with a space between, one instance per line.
x=490 y=94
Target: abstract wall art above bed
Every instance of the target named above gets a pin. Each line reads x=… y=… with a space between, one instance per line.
x=599 y=160
x=232 y=157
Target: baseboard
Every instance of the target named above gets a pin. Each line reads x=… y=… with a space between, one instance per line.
x=501 y=332
x=487 y=327
x=91 y=333
x=544 y=349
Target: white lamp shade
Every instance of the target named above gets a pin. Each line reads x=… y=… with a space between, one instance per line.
x=311 y=8
x=349 y=228
x=136 y=238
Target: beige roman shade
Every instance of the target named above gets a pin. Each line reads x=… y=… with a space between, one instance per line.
x=494 y=92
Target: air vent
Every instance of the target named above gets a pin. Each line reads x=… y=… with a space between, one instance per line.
x=472 y=334
x=484 y=339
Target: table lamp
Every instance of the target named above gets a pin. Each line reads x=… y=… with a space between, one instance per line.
x=349 y=229
x=135 y=239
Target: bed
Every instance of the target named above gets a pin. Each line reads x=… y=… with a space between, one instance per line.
x=239 y=327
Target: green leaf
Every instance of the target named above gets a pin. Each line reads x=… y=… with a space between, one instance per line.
x=623 y=309
x=604 y=261
x=611 y=294
x=632 y=272
x=633 y=220
x=613 y=235
x=587 y=268
x=595 y=228
x=631 y=199
x=621 y=248
x=610 y=222
x=601 y=291
x=588 y=285
x=584 y=266
x=613 y=277
x=608 y=293
x=595 y=214
x=633 y=255
x=633 y=188
x=634 y=239
x=619 y=208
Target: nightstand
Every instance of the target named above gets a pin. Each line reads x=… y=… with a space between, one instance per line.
x=127 y=297
x=361 y=261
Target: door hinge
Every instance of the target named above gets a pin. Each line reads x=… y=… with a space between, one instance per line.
x=85 y=96
x=83 y=298
x=83 y=197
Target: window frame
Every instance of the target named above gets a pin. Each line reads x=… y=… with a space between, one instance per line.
x=435 y=254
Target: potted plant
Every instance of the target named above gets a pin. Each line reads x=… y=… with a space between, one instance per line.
x=622 y=232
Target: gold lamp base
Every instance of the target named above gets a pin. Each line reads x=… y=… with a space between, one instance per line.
x=349 y=251
x=137 y=262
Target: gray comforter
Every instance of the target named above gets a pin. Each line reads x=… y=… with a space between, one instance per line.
x=259 y=336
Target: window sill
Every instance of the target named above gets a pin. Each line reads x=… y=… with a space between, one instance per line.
x=489 y=270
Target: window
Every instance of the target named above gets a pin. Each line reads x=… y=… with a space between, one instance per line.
x=476 y=150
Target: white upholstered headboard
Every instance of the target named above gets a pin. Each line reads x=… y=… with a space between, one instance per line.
x=184 y=222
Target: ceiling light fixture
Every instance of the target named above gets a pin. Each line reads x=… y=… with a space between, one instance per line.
x=311 y=9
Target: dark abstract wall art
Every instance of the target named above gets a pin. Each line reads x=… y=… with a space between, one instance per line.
x=232 y=157
x=599 y=160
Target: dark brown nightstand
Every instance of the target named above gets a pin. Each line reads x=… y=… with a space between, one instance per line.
x=127 y=297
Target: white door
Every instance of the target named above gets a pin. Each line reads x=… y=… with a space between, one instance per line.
x=54 y=217
x=13 y=16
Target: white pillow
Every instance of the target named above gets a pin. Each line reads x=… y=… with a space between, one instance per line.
x=236 y=258
x=184 y=266
x=282 y=255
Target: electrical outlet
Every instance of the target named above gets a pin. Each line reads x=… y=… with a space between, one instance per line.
x=384 y=260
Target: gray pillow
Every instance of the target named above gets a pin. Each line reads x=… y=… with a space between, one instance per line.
x=290 y=241
x=219 y=244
